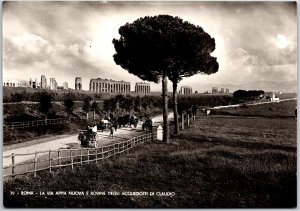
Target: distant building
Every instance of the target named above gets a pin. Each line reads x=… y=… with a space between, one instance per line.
x=222 y=91
x=227 y=91
x=33 y=84
x=65 y=85
x=142 y=88
x=109 y=86
x=16 y=83
x=214 y=90
x=274 y=98
x=186 y=90
x=53 y=84
x=43 y=82
x=78 y=83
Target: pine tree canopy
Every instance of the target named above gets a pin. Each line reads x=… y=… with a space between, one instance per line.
x=151 y=45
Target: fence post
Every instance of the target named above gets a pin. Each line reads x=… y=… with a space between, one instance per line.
x=88 y=155
x=71 y=159
x=143 y=139
x=182 y=121
x=50 y=160
x=96 y=155
x=188 y=120
x=35 y=161
x=152 y=138
x=13 y=163
x=58 y=155
x=81 y=156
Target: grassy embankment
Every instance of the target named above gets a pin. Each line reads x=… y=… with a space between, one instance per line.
x=285 y=109
x=219 y=161
x=29 y=112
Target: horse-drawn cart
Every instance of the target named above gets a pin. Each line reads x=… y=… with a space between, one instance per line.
x=89 y=137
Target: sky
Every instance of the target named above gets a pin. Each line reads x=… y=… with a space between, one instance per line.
x=254 y=41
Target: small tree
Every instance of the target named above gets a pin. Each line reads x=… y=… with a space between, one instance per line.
x=45 y=103
x=69 y=105
x=194 y=111
x=95 y=107
x=128 y=103
x=87 y=106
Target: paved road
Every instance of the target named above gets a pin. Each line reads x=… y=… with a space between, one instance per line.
x=72 y=142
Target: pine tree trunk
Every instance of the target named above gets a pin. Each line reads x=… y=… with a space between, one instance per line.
x=166 y=130
x=87 y=116
x=93 y=114
x=176 y=126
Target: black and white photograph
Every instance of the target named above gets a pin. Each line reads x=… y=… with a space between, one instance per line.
x=149 y=104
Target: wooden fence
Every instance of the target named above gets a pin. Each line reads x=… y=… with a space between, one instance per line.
x=51 y=159
x=36 y=123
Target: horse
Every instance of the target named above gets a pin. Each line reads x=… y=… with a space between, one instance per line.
x=147 y=125
x=103 y=124
x=133 y=121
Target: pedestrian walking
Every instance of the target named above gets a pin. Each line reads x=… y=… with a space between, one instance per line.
x=111 y=129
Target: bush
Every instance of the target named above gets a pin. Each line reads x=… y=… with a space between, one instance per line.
x=250 y=95
x=244 y=106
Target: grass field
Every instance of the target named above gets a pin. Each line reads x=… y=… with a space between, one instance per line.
x=285 y=109
x=220 y=161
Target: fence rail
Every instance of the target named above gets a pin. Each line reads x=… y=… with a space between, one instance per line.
x=36 y=123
